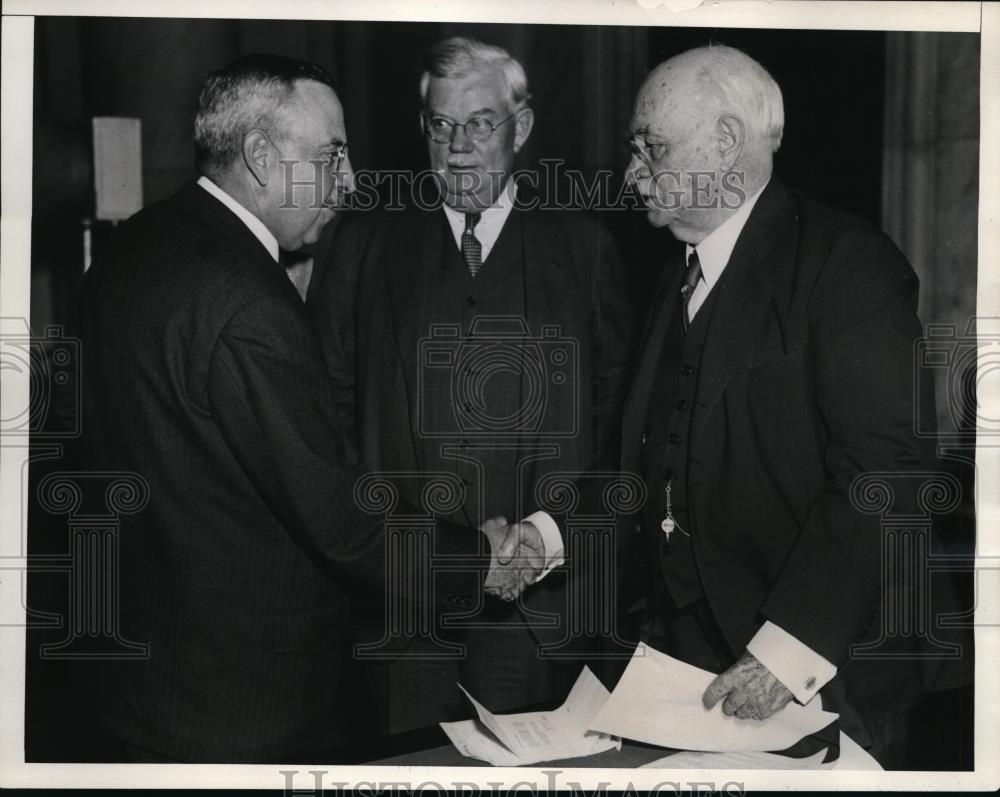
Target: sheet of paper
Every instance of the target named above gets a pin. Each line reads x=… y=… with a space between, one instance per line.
x=853 y=757
x=658 y=701
x=697 y=760
x=518 y=739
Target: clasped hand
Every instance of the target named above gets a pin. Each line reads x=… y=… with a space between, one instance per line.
x=517 y=557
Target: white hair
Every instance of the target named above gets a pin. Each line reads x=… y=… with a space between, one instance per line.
x=458 y=56
x=745 y=89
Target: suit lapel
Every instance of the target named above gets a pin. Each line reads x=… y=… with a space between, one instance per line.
x=744 y=293
x=661 y=314
x=414 y=261
x=545 y=275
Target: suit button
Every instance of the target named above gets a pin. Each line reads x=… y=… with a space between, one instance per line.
x=673 y=438
x=637 y=527
x=681 y=404
x=645 y=437
x=470 y=300
x=668 y=474
x=686 y=370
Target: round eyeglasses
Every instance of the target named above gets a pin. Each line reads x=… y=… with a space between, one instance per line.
x=441 y=130
x=647 y=152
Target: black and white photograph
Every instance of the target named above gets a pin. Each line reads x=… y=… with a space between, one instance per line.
x=500 y=396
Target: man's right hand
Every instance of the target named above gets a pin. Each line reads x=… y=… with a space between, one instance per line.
x=517 y=557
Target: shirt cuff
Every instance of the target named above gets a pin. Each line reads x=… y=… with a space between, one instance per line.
x=551 y=539
x=801 y=669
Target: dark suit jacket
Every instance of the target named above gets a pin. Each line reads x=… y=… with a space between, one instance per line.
x=806 y=382
x=203 y=376
x=363 y=308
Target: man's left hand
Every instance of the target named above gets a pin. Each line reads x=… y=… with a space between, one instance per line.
x=750 y=690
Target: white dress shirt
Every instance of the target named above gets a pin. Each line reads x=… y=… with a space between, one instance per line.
x=490 y=222
x=255 y=225
x=714 y=252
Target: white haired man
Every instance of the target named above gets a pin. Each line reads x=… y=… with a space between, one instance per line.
x=486 y=265
x=776 y=368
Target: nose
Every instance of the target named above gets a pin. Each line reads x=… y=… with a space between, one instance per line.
x=636 y=169
x=346 y=176
x=460 y=142
x=340 y=183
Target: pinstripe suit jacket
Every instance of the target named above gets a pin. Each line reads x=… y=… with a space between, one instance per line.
x=203 y=377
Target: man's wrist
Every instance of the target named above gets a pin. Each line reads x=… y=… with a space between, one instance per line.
x=797 y=666
x=551 y=539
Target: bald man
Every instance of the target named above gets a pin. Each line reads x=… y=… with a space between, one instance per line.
x=776 y=368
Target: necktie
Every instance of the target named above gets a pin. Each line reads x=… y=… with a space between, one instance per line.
x=471 y=248
x=691 y=277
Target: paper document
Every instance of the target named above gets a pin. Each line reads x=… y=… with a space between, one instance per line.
x=518 y=739
x=697 y=760
x=658 y=701
x=853 y=757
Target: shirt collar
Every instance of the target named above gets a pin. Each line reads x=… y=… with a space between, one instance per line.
x=491 y=220
x=716 y=248
x=255 y=225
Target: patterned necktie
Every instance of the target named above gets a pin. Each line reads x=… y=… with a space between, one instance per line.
x=691 y=277
x=471 y=248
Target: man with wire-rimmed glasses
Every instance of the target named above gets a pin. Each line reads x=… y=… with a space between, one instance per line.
x=502 y=275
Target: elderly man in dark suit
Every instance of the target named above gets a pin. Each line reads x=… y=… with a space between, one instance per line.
x=776 y=367
x=203 y=376
x=487 y=339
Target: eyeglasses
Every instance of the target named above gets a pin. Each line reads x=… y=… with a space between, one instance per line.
x=333 y=161
x=647 y=152
x=440 y=130
x=336 y=158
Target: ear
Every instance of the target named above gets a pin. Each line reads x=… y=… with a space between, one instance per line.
x=522 y=127
x=257 y=155
x=420 y=119
x=732 y=137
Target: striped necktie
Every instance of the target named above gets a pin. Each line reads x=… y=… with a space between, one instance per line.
x=471 y=248
x=691 y=277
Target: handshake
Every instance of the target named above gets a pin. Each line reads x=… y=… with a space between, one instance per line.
x=517 y=557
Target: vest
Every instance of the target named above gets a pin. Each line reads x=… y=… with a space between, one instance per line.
x=665 y=457
x=471 y=386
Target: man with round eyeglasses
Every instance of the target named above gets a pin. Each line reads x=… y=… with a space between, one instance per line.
x=506 y=278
